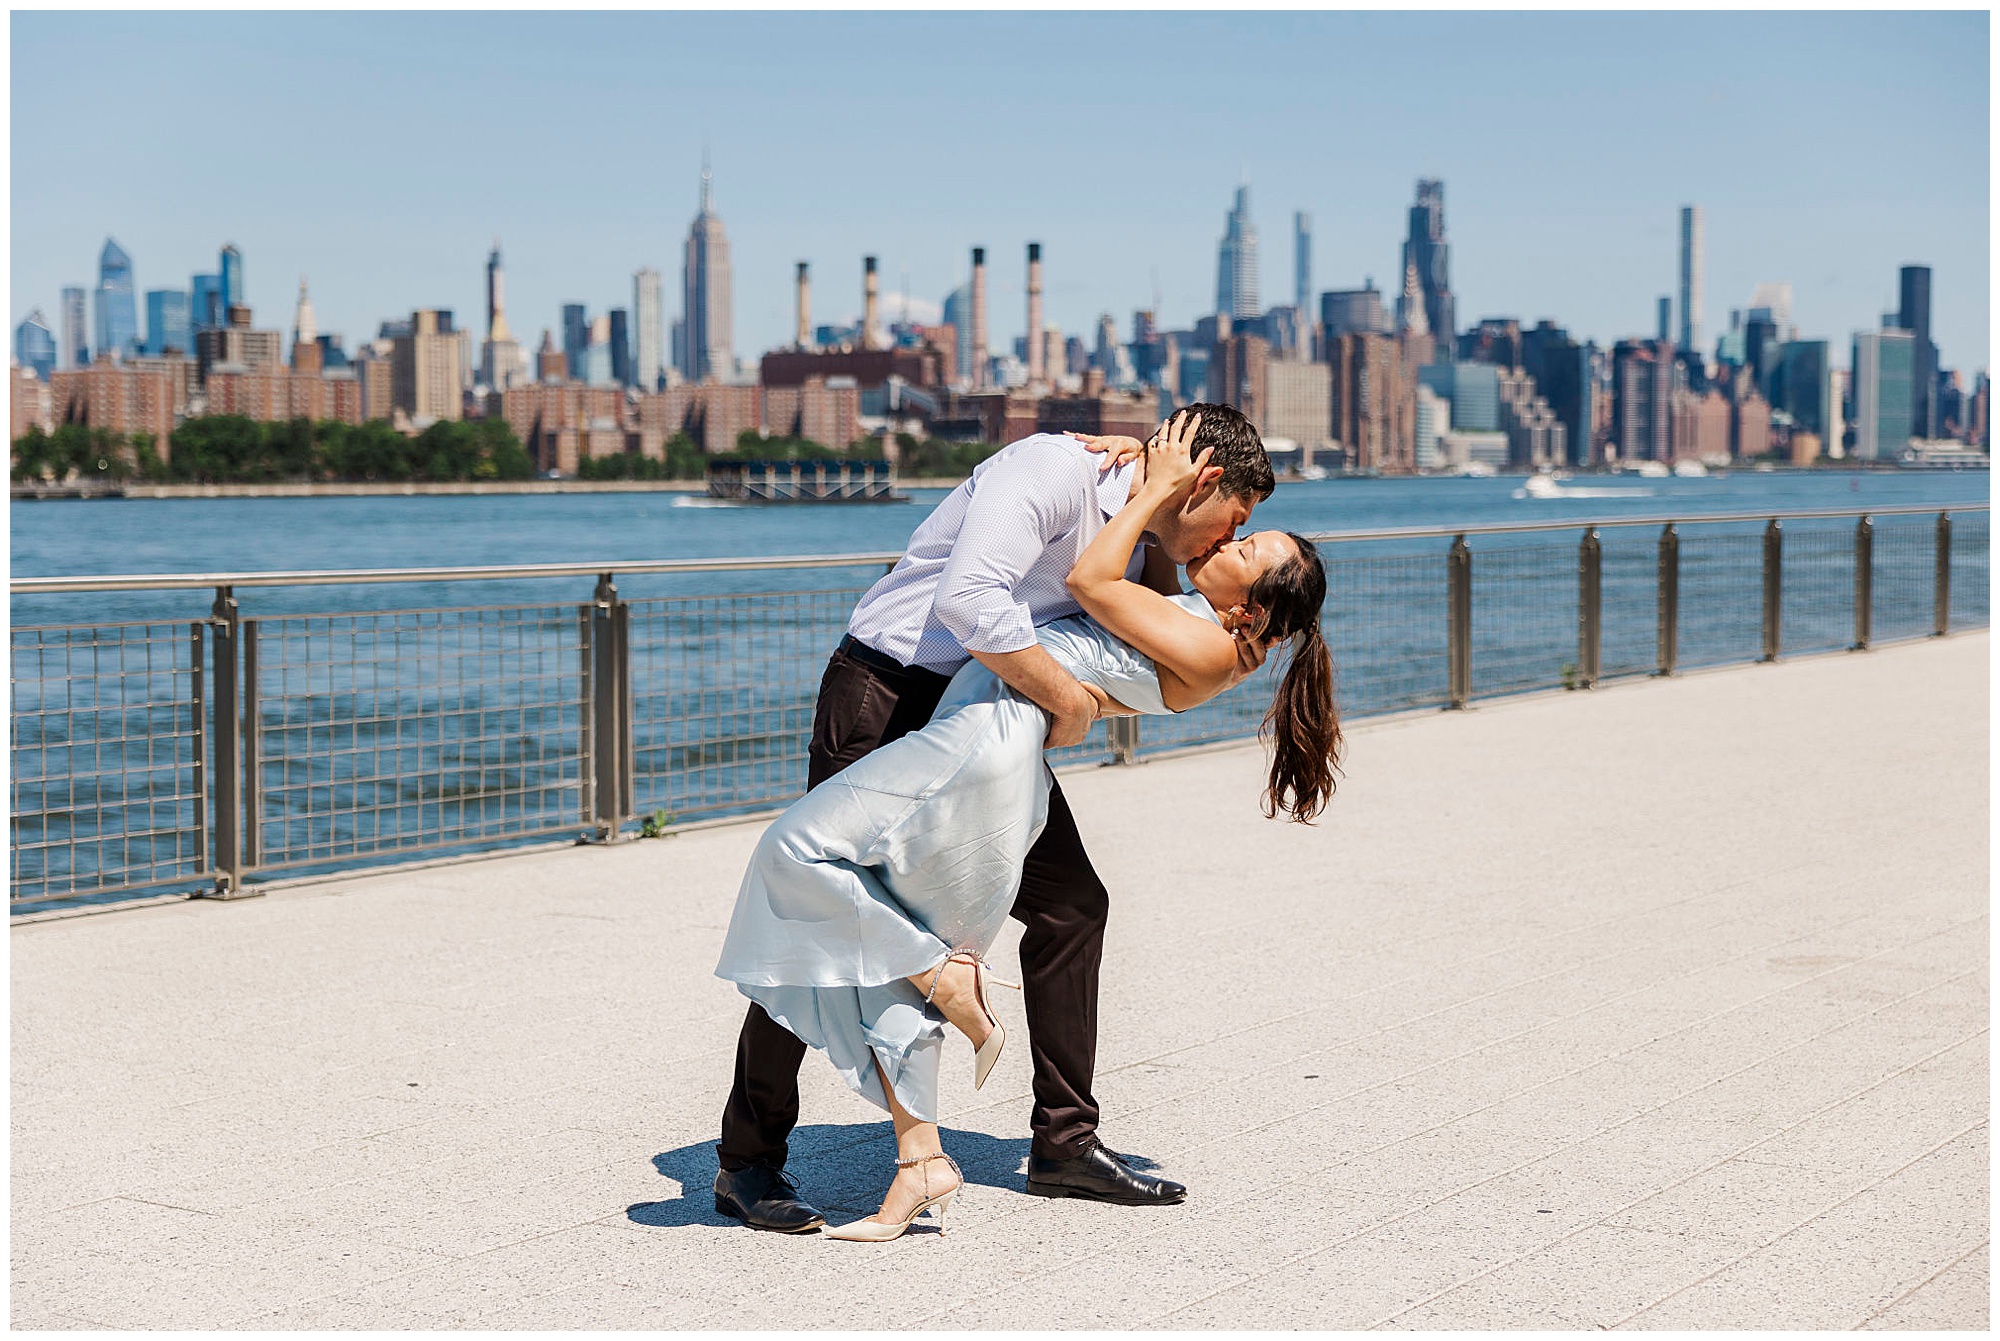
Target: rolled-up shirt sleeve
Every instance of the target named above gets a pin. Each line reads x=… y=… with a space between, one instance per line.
x=1018 y=508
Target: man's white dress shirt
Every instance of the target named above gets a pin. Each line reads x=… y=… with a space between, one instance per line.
x=989 y=563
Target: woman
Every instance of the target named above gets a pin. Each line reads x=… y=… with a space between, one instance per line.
x=874 y=897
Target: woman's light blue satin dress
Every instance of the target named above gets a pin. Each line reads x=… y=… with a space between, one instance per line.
x=907 y=854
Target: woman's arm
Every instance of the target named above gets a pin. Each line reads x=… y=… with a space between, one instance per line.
x=1196 y=659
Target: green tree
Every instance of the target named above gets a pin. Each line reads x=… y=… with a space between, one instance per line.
x=34 y=456
x=684 y=459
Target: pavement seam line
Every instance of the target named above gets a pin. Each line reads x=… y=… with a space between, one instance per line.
x=1157 y=1059
x=1576 y=1071
x=1528 y=1090
x=1782 y=1235
x=1604 y=1220
x=1983 y=1243
x=1494 y=1177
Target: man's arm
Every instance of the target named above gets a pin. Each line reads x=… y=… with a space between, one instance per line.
x=1009 y=522
x=1033 y=673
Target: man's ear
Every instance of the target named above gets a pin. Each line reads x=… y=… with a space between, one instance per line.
x=1209 y=475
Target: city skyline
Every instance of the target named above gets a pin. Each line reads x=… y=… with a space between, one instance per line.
x=1516 y=254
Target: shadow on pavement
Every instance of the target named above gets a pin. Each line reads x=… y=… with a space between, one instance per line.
x=839 y=1168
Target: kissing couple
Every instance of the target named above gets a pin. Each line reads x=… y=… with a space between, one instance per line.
x=1041 y=594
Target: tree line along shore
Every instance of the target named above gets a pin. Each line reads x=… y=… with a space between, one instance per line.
x=233 y=450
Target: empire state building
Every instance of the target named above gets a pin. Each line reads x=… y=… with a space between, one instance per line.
x=706 y=349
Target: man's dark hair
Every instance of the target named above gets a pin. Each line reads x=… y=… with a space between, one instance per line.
x=1246 y=469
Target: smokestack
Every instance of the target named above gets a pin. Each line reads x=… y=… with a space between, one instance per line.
x=979 y=317
x=805 y=308
x=1034 y=313
x=870 y=301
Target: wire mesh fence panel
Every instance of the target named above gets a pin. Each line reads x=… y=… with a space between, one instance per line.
x=1971 y=556
x=1384 y=623
x=107 y=735
x=418 y=730
x=1905 y=578
x=1816 y=600
x=1629 y=606
x=723 y=689
x=1523 y=618
x=376 y=736
x=1721 y=606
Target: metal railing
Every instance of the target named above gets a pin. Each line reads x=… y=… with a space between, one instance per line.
x=207 y=756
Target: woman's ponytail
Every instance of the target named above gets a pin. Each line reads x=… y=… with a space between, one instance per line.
x=1303 y=724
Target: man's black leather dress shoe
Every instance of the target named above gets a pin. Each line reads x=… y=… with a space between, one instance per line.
x=765 y=1198
x=1099 y=1174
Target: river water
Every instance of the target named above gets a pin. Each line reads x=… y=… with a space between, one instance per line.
x=400 y=720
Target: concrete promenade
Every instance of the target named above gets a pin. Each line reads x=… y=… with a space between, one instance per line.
x=1659 y=1006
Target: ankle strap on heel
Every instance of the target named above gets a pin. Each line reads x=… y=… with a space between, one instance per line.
x=925 y=1160
x=964 y=955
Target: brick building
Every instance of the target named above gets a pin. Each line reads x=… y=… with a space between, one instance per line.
x=121 y=400
x=1007 y=416
x=29 y=404
x=1700 y=426
x=273 y=393
x=1374 y=402
x=560 y=423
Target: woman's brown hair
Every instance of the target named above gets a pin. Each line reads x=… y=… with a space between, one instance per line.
x=1304 y=722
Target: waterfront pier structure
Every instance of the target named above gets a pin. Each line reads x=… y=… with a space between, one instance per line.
x=1663 y=1006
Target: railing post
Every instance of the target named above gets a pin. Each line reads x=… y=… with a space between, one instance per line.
x=1123 y=734
x=1941 y=584
x=226 y=622
x=1458 y=637
x=1667 y=622
x=1774 y=584
x=610 y=711
x=1589 y=608
x=252 y=737
x=1864 y=582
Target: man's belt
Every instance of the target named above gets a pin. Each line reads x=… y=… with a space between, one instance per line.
x=856 y=650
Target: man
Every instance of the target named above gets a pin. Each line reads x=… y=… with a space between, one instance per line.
x=980 y=573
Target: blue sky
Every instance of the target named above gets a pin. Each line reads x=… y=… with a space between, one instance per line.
x=379 y=154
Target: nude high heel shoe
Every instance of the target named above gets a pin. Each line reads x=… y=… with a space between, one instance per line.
x=988 y=1053
x=878 y=1231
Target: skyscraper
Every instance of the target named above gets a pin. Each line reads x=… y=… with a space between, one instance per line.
x=496 y=296
x=1691 y=263
x=305 y=325
x=1663 y=324
x=620 y=330
x=167 y=322
x=233 y=291
x=709 y=344
x=35 y=344
x=74 y=351
x=1884 y=386
x=205 y=311
x=1302 y=242
x=958 y=315
x=117 y=310
x=576 y=337
x=1431 y=254
x=1236 y=264
x=1354 y=312
x=1913 y=314
x=1802 y=385
x=500 y=362
x=647 y=328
